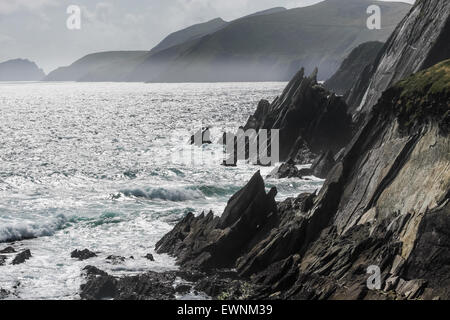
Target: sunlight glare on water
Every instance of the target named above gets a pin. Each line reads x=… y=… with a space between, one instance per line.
x=87 y=165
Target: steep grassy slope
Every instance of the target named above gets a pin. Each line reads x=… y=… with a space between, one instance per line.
x=190 y=33
x=274 y=46
x=101 y=66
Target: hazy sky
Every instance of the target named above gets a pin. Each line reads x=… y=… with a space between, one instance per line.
x=36 y=29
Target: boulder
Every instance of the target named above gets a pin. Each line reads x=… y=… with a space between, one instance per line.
x=148 y=286
x=4 y=294
x=8 y=250
x=115 y=259
x=150 y=257
x=98 y=288
x=82 y=254
x=183 y=289
x=285 y=170
x=2 y=260
x=22 y=257
x=91 y=271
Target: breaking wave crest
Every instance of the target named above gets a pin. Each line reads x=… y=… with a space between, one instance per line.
x=24 y=230
x=168 y=194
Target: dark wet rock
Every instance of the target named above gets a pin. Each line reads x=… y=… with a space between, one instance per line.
x=2 y=260
x=323 y=165
x=241 y=231
x=183 y=289
x=430 y=259
x=115 y=259
x=82 y=254
x=385 y=203
x=206 y=241
x=150 y=257
x=92 y=271
x=132 y=174
x=4 y=294
x=286 y=170
x=224 y=287
x=310 y=120
x=148 y=286
x=22 y=257
x=301 y=152
x=320 y=168
x=202 y=136
x=191 y=275
x=99 y=287
x=410 y=289
x=8 y=250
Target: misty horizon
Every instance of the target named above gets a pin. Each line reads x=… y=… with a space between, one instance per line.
x=37 y=31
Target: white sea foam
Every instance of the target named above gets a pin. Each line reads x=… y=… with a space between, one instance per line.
x=168 y=194
x=27 y=230
x=67 y=147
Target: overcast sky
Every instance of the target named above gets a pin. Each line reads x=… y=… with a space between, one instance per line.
x=36 y=29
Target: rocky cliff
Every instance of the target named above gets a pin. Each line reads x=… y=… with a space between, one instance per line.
x=310 y=119
x=384 y=204
x=347 y=75
x=418 y=42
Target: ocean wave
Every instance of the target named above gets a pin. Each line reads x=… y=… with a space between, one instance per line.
x=167 y=194
x=23 y=230
x=210 y=190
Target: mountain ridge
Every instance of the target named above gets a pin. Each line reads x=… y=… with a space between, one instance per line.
x=20 y=70
x=265 y=46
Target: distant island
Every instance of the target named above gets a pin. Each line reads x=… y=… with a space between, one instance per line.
x=20 y=70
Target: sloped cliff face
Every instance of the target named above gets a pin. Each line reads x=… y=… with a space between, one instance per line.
x=384 y=204
x=345 y=78
x=418 y=42
x=311 y=119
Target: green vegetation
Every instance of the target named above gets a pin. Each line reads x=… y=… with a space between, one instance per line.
x=424 y=96
x=435 y=80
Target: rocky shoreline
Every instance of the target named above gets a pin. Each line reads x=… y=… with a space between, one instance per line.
x=384 y=206
x=385 y=203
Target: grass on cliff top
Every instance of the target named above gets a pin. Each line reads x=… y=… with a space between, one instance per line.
x=431 y=81
x=424 y=95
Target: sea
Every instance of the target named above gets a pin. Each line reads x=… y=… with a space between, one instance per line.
x=109 y=167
